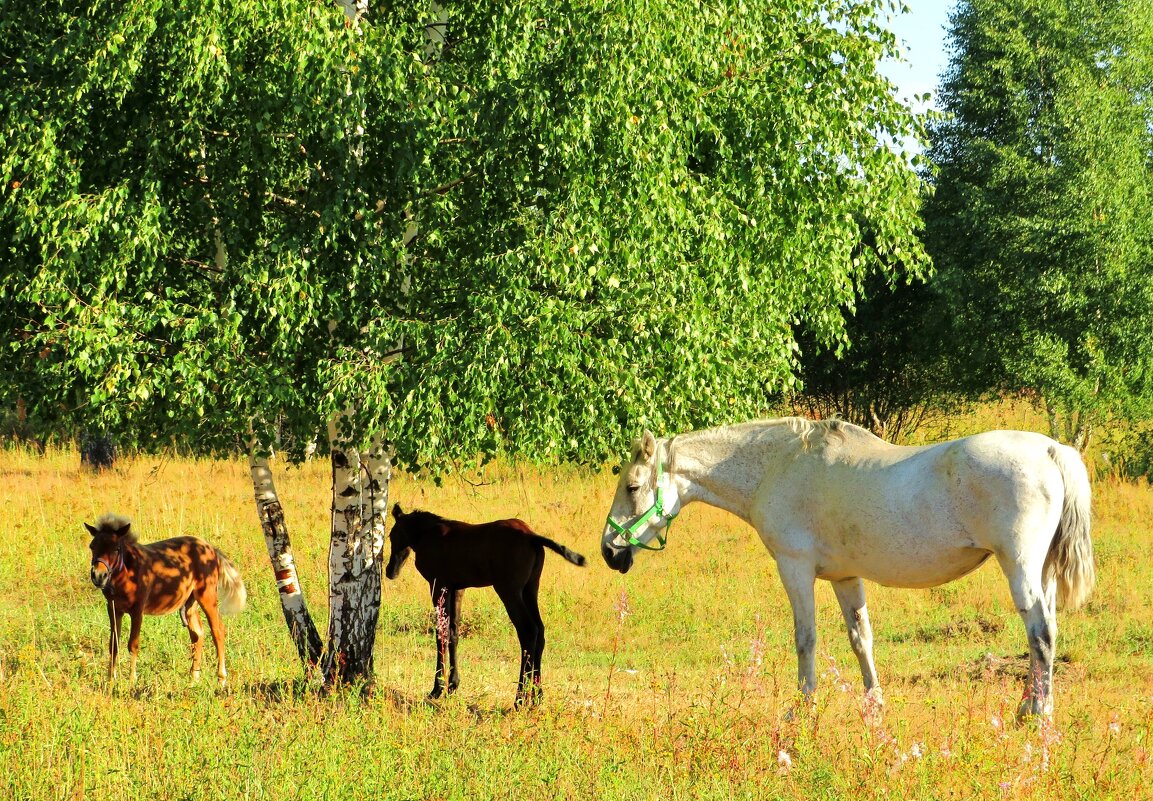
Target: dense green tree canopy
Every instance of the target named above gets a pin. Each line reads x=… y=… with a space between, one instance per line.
x=1042 y=221
x=620 y=211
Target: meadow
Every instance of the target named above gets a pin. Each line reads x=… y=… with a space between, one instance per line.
x=671 y=682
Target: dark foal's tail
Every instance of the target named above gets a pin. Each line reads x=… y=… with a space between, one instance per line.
x=572 y=556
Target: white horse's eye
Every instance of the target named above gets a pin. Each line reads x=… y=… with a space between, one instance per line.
x=632 y=488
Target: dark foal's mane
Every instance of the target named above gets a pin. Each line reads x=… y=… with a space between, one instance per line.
x=427 y=523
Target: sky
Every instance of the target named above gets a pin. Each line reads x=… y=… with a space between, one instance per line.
x=922 y=34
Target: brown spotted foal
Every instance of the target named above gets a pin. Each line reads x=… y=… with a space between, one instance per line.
x=505 y=554
x=159 y=578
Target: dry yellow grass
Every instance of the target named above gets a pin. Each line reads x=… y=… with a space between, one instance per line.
x=682 y=697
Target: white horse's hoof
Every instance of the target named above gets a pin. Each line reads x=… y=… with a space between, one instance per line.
x=798 y=710
x=1033 y=711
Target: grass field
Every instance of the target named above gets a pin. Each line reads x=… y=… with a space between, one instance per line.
x=670 y=682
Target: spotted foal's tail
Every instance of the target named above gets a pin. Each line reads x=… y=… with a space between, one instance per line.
x=572 y=556
x=230 y=592
x=1070 y=559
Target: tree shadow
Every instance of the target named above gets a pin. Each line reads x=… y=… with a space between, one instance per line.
x=299 y=689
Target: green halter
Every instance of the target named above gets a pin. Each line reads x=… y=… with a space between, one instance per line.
x=656 y=510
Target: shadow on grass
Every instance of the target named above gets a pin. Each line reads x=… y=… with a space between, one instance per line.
x=301 y=689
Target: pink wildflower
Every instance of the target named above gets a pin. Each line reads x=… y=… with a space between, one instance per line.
x=622 y=607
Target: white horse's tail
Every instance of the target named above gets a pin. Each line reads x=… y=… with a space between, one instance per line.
x=1070 y=559
x=231 y=595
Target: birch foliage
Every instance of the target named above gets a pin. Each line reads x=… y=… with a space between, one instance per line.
x=621 y=212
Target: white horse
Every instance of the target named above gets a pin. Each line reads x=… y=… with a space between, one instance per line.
x=832 y=501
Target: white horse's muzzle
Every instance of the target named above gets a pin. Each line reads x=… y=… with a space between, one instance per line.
x=619 y=559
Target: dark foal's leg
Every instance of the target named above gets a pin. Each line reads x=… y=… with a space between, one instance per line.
x=531 y=590
x=442 y=624
x=455 y=596
x=518 y=613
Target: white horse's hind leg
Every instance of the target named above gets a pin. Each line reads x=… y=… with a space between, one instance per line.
x=798 y=579
x=851 y=595
x=1035 y=604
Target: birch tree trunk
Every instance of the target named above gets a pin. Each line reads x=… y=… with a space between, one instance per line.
x=355 y=559
x=300 y=625
x=356 y=548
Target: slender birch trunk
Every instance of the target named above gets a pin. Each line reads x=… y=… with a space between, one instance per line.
x=300 y=625
x=355 y=559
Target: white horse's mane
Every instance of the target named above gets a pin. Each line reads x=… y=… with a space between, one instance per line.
x=808 y=433
x=814 y=432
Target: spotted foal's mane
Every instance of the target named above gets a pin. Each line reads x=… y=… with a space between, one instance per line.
x=112 y=523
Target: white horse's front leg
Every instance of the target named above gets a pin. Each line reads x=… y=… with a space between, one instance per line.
x=851 y=596
x=798 y=578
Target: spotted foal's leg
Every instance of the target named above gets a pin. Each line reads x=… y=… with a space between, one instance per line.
x=195 y=634
x=114 y=621
x=136 y=616
x=216 y=626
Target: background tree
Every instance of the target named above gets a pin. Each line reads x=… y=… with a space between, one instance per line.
x=1041 y=226
x=898 y=369
x=620 y=214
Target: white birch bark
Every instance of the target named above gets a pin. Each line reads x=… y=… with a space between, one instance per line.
x=355 y=558
x=268 y=508
x=354 y=10
x=356 y=548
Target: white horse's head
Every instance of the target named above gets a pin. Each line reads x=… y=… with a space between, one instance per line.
x=646 y=502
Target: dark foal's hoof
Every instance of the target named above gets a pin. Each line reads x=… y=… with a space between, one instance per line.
x=529 y=699
x=439 y=691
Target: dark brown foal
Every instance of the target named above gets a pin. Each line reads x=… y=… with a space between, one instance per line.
x=159 y=578
x=505 y=554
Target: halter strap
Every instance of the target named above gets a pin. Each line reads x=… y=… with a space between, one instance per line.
x=629 y=533
x=115 y=566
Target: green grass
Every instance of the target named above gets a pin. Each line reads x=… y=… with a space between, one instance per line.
x=683 y=697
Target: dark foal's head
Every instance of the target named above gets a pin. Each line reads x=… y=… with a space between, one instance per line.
x=407 y=530
x=109 y=536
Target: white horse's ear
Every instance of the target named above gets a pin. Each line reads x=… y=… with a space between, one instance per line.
x=648 y=446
